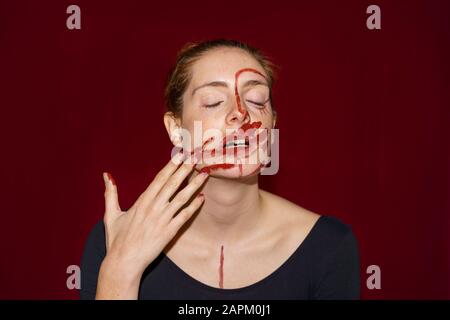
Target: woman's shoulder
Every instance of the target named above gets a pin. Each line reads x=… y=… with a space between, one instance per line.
x=295 y=220
x=287 y=214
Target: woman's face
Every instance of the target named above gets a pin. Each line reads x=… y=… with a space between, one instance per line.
x=228 y=91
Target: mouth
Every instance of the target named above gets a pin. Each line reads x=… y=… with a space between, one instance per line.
x=240 y=143
x=237 y=143
x=239 y=146
x=239 y=138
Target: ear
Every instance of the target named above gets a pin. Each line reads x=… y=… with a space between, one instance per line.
x=173 y=124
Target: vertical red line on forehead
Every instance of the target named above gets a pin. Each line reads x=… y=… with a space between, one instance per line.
x=236 y=91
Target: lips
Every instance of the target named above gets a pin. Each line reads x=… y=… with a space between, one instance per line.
x=237 y=146
x=237 y=143
x=239 y=137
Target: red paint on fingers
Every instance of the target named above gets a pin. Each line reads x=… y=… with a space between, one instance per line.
x=110 y=177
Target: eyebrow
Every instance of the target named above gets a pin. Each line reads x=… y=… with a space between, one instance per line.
x=223 y=84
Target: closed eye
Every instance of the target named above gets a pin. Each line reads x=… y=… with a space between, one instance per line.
x=212 y=105
x=257 y=103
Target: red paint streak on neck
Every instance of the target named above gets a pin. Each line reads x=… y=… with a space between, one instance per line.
x=221 y=268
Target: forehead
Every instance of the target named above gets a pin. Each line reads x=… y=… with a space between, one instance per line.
x=222 y=64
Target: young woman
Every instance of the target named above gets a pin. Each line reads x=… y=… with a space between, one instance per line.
x=220 y=236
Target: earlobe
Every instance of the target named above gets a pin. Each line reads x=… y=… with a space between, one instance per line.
x=176 y=139
x=171 y=123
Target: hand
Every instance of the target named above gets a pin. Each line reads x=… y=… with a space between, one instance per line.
x=136 y=237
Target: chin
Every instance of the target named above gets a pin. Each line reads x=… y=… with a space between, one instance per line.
x=231 y=171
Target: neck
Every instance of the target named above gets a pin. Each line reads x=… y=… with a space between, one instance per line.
x=231 y=212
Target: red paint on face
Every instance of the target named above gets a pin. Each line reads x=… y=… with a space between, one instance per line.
x=222 y=258
x=254 y=125
x=236 y=91
x=199 y=150
x=245 y=127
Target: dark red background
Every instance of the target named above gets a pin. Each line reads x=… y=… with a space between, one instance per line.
x=369 y=109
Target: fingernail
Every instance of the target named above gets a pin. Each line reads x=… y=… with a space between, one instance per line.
x=110 y=177
x=204 y=174
x=200 y=195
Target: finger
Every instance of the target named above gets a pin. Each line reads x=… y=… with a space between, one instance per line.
x=160 y=179
x=173 y=184
x=185 y=214
x=111 y=198
x=185 y=195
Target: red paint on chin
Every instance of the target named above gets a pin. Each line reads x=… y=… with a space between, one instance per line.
x=222 y=258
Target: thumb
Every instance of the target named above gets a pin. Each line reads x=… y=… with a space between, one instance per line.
x=111 y=197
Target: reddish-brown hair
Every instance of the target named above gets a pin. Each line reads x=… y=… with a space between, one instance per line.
x=180 y=75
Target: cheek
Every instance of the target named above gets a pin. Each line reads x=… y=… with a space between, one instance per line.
x=267 y=122
x=265 y=115
x=201 y=123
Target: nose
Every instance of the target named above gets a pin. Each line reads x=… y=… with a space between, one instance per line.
x=238 y=114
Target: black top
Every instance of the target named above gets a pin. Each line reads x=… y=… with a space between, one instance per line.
x=324 y=266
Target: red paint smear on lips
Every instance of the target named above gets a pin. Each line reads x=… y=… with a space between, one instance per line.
x=245 y=127
x=254 y=125
x=221 y=268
